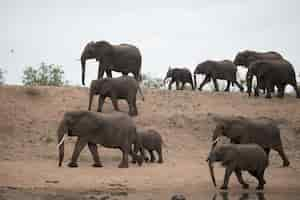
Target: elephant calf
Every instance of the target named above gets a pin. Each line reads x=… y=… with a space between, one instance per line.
x=124 y=87
x=151 y=141
x=110 y=130
x=237 y=158
x=179 y=75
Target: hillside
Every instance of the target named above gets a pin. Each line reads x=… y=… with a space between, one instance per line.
x=28 y=162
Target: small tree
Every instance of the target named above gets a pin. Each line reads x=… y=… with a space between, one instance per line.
x=44 y=75
x=2 y=76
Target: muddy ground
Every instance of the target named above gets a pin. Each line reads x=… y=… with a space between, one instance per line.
x=28 y=159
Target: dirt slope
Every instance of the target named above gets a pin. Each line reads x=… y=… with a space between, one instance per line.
x=29 y=117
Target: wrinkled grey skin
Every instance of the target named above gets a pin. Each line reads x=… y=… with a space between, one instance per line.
x=179 y=75
x=114 y=130
x=245 y=58
x=243 y=130
x=237 y=158
x=124 y=58
x=151 y=141
x=124 y=87
x=223 y=70
x=270 y=73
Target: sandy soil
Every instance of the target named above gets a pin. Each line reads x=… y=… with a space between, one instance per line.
x=28 y=162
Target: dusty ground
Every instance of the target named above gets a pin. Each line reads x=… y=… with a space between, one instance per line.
x=28 y=159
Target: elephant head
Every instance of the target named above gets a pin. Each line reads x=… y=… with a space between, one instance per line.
x=65 y=126
x=169 y=74
x=99 y=87
x=94 y=50
x=244 y=58
x=223 y=153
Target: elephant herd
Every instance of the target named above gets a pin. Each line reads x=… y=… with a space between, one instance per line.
x=269 y=68
x=250 y=139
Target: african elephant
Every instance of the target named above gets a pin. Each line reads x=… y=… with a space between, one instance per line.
x=243 y=130
x=124 y=58
x=224 y=70
x=151 y=141
x=114 y=130
x=270 y=73
x=237 y=158
x=245 y=58
x=124 y=87
x=179 y=75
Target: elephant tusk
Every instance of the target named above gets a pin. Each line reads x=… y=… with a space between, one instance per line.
x=61 y=141
x=216 y=141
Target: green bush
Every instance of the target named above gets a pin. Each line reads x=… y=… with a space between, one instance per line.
x=45 y=75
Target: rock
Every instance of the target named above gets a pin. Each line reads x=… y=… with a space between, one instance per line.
x=178 y=197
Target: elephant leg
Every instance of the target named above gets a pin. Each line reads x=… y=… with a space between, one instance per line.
x=182 y=86
x=227 y=175
x=256 y=91
x=227 y=89
x=124 y=162
x=94 y=151
x=170 y=84
x=281 y=153
x=135 y=156
x=216 y=85
x=269 y=90
x=239 y=176
x=152 y=157
x=108 y=73
x=239 y=86
x=177 y=85
x=132 y=106
x=259 y=177
x=206 y=80
x=80 y=144
x=100 y=70
x=101 y=101
x=296 y=90
x=280 y=91
x=114 y=101
x=160 y=157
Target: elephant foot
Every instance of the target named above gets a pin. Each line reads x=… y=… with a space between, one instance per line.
x=286 y=164
x=268 y=97
x=133 y=161
x=160 y=161
x=245 y=186
x=132 y=114
x=152 y=160
x=97 y=165
x=99 y=110
x=72 y=165
x=200 y=89
x=226 y=90
x=298 y=96
x=146 y=159
x=123 y=165
x=241 y=89
x=260 y=187
x=224 y=187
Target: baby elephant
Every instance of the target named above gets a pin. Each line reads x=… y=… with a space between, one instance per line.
x=124 y=87
x=151 y=141
x=237 y=158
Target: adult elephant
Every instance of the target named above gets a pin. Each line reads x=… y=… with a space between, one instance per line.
x=241 y=130
x=110 y=130
x=245 y=58
x=179 y=75
x=124 y=58
x=223 y=70
x=270 y=73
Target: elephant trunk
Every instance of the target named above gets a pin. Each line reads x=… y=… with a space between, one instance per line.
x=195 y=80
x=211 y=170
x=83 y=61
x=90 y=100
x=60 y=140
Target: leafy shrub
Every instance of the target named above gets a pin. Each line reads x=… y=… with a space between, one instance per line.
x=45 y=75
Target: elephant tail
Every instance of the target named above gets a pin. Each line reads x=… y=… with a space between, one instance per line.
x=141 y=93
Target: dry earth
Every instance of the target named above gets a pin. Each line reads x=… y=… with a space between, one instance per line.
x=28 y=162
